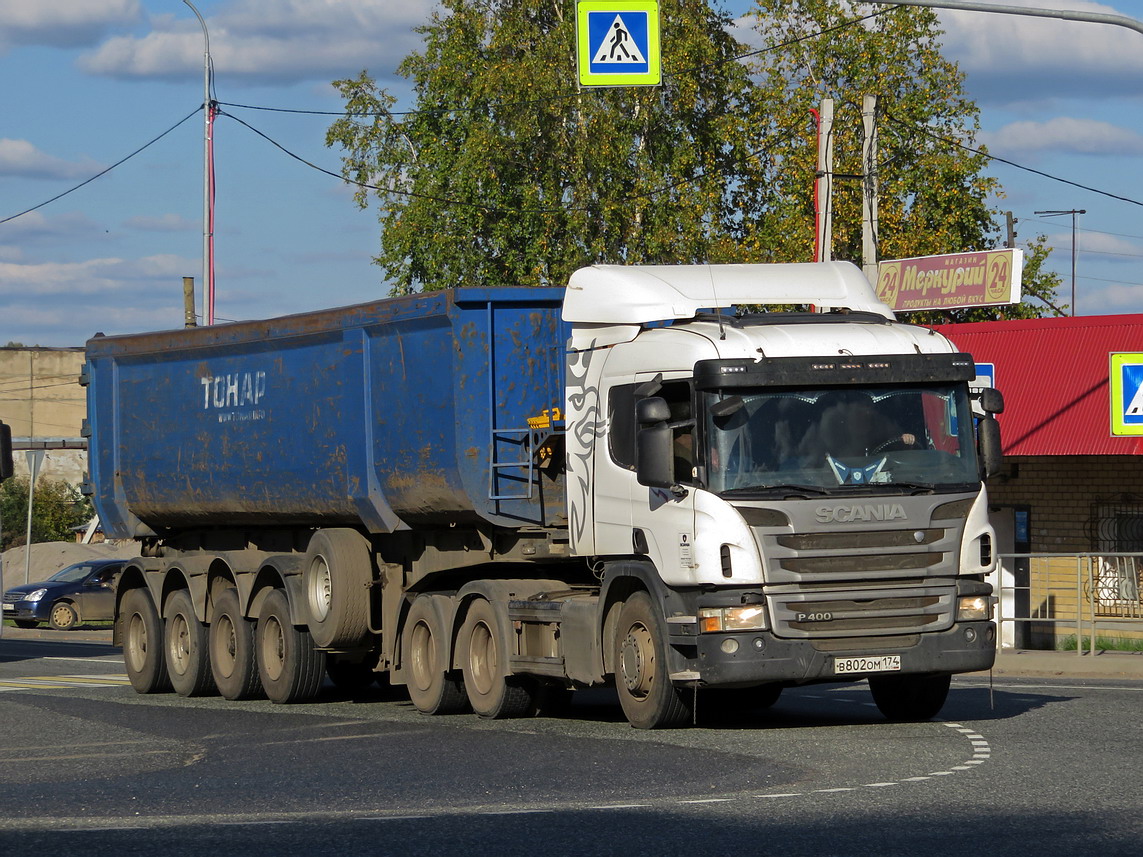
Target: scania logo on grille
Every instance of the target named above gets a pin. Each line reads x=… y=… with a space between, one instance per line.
x=864 y=512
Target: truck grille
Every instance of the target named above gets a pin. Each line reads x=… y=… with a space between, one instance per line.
x=862 y=583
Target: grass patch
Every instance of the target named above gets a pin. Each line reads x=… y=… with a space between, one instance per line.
x=1105 y=644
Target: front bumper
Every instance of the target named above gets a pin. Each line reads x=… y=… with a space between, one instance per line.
x=761 y=657
x=32 y=611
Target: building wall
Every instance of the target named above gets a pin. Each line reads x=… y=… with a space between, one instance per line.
x=40 y=398
x=1068 y=496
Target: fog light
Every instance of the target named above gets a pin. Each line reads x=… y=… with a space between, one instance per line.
x=974 y=608
x=730 y=645
x=759 y=644
x=970 y=635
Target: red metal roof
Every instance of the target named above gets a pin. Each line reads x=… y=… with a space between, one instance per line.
x=1053 y=373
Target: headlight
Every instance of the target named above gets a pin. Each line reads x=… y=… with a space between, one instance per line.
x=750 y=617
x=974 y=608
x=36 y=595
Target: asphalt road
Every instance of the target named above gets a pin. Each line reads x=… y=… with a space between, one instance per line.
x=1044 y=766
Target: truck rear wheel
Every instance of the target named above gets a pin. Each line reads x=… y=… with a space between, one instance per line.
x=649 y=699
x=424 y=646
x=336 y=575
x=231 y=644
x=291 y=669
x=188 y=660
x=143 y=643
x=484 y=652
x=903 y=698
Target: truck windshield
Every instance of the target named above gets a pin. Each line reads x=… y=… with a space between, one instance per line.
x=839 y=439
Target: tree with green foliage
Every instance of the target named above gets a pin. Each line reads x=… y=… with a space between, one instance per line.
x=57 y=508
x=933 y=189
x=504 y=174
x=507 y=175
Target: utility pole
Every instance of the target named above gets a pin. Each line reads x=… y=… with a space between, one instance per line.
x=207 y=178
x=1073 y=212
x=1011 y=224
x=823 y=185
x=869 y=188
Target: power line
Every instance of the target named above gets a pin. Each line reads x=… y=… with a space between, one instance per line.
x=104 y=171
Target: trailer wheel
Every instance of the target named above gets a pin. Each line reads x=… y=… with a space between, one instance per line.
x=188 y=660
x=143 y=643
x=291 y=669
x=483 y=655
x=903 y=698
x=432 y=686
x=231 y=644
x=649 y=699
x=336 y=575
x=63 y=616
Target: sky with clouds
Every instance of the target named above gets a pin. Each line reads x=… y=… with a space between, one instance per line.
x=92 y=81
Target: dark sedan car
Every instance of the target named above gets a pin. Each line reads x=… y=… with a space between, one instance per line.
x=79 y=593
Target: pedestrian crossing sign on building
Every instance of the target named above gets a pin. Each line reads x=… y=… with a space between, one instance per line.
x=617 y=43
x=1126 y=381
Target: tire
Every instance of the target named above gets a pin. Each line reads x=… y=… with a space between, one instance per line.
x=143 y=643
x=336 y=574
x=484 y=655
x=26 y=623
x=62 y=616
x=905 y=698
x=648 y=698
x=186 y=647
x=231 y=645
x=432 y=686
x=290 y=668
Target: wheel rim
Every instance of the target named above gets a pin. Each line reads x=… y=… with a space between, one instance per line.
x=637 y=661
x=482 y=660
x=226 y=653
x=423 y=656
x=273 y=648
x=180 y=644
x=320 y=589
x=136 y=642
x=62 y=616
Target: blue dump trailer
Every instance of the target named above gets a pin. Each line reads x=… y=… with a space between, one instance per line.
x=497 y=496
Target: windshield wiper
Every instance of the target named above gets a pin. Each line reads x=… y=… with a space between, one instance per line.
x=787 y=491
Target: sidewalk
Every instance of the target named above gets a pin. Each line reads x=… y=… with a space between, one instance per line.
x=1045 y=664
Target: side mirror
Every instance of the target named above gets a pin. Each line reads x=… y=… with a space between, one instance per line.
x=654 y=464
x=6 y=467
x=988 y=444
x=991 y=401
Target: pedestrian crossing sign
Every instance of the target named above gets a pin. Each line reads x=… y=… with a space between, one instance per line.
x=1126 y=381
x=617 y=43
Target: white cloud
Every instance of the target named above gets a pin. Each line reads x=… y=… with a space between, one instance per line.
x=36 y=227
x=1015 y=58
x=266 y=41
x=108 y=276
x=21 y=158
x=62 y=23
x=1066 y=135
x=162 y=223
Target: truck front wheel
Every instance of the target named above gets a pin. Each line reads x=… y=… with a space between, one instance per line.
x=188 y=660
x=232 y=660
x=424 y=646
x=291 y=669
x=903 y=698
x=484 y=651
x=642 y=678
x=143 y=643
